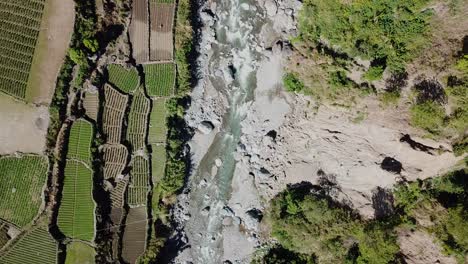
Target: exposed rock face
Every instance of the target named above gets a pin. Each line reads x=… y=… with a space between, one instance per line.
x=419 y=248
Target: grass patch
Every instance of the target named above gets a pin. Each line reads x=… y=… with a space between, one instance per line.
x=127 y=80
x=292 y=83
x=389 y=98
x=80 y=253
x=429 y=116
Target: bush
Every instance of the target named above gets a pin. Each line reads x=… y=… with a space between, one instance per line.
x=374 y=73
x=292 y=83
x=462 y=64
x=390 y=98
x=429 y=116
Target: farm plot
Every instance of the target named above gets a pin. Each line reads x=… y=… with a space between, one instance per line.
x=139 y=31
x=4 y=237
x=19 y=30
x=91 y=104
x=134 y=237
x=80 y=253
x=21 y=183
x=114 y=111
x=79 y=142
x=158 y=162
x=139 y=182
x=117 y=194
x=76 y=212
x=157 y=126
x=35 y=247
x=137 y=120
x=159 y=79
x=161 y=36
x=116 y=215
x=115 y=158
x=127 y=80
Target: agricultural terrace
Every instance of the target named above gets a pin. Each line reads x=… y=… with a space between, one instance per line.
x=91 y=104
x=157 y=127
x=161 y=36
x=80 y=253
x=79 y=142
x=20 y=24
x=22 y=180
x=137 y=120
x=134 y=238
x=114 y=111
x=35 y=247
x=76 y=212
x=115 y=158
x=127 y=80
x=4 y=238
x=138 y=31
x=139 y=182
x=160 y=79
x=117 y=194
x=158 y=162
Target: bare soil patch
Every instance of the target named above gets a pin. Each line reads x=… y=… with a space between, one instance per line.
x=24 y=127
x=161 y=37
x=134 y=238
x=51 y=48
x=139 y=31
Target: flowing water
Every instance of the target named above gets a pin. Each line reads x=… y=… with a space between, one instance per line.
x=233 y=70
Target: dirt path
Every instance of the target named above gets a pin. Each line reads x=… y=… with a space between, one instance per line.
x=52 y=45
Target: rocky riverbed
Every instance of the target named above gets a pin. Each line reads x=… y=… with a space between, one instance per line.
x=253 y=139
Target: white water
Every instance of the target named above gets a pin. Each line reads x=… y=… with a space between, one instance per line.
x=235 y=47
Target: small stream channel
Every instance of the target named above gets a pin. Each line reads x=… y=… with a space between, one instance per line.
x=232 y=72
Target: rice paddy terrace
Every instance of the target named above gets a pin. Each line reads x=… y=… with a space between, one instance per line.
x=111 y=150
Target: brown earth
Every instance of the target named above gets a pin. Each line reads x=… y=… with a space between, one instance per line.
x=139 y=31
x=161 y=37
x=54 y=38
x=134 y=238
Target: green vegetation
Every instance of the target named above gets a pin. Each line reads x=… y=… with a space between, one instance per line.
x=311 y=228
x=157 y=126
x=158 y=162
x=462 y=64
x=390 y=98
x=80 y=253
x=18 y=38
x=137 y=119
x=391 y=31
x=183 y=45
x=292 y=83
x=313 y=225
x=79 y=142
x=127 y=80
x=374 y=73
x=429 y=116
x=159 y=79
x=139 y=182
x=35 y=247
x=21 y=184
x=76 y=212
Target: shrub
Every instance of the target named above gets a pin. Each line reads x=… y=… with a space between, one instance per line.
x=462 y=64
x=292 y=83
x=390 y=98
x=374 y=73
x=429 y=116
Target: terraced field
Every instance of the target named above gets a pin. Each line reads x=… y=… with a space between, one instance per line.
x=117 y=194
x=139 y=31
x=80 y=253
x=127 y=80
x=157 y=126
x=76 y=212
x=115 y=158
x=20 y=25
x=134 y=238
x=114 y=111
x=161 y=36
x=79 y=142
x=21 y=183
x=159 y=79
x=4 y=237
x=36 y=247
x=91 y=104
x=158 y=162
x=139 y=182
x=137 y=120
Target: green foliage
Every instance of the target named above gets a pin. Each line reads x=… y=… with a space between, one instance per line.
x=80 y=253
x=374 y=73
x=462 y=64
x=91 y=44
x=280 y=255
x=79 y=141
x=313 y=225
x=394 y=30
x=77 y=56
x=127 y=80
x=390 y=98
x=292 y=83
x=183 y=46
x=159 y=79
x=429 y=116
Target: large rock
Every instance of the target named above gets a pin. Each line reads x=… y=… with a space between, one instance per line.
x=419 y=248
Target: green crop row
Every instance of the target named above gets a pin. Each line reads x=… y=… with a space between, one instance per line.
x=20 y=24
x=137 y=119
x=79 y=143
x=139 y=182
x=160 y=79
x=158 y=126
x=76 y=212
x=36 y=247
x=21 y=183
x=126 y=80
